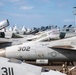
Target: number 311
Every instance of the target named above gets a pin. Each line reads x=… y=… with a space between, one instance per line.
x=7 y=71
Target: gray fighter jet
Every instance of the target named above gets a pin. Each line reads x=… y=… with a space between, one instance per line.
x=60 y=50
x=17 y=67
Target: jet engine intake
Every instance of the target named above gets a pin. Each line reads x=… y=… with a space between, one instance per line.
x=62 y=35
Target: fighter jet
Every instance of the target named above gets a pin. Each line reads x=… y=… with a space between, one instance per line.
x=4 y=42
x=17 y=67
x=4 y=24
x=60 y=50
x=45 y=35
x=54 y=34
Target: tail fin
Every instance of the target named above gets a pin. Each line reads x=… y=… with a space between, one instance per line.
x=4 y=24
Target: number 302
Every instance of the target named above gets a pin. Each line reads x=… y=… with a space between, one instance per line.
x=24 y=48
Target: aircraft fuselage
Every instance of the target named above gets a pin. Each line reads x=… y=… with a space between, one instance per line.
x=40 y=51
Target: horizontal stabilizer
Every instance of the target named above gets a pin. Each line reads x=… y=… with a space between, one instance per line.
x=67 y=47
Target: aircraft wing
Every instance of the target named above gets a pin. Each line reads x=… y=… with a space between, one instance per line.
x=16 y=67
x=66 y=47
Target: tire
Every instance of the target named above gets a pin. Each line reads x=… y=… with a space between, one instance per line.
x=2 y=35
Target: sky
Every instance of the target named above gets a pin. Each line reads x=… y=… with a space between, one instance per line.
x=37 y=13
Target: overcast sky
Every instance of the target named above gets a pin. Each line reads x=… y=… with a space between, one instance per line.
x=36 y=13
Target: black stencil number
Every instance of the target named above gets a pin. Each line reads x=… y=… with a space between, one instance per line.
x=24 y=48
x=7 y=71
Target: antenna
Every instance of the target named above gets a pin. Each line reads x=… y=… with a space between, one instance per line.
x=74 y=12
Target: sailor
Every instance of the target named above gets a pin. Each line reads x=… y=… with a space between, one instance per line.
x=70 y=63
x=66 y=70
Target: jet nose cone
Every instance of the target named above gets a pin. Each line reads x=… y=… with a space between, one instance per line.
x=2 y=52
